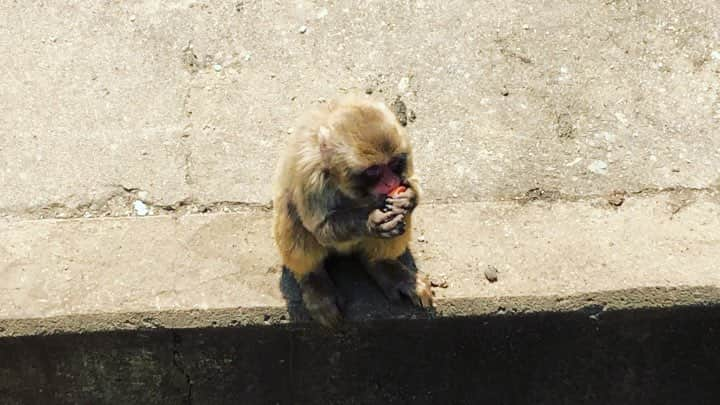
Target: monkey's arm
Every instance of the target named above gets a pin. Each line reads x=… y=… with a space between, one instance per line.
x=333 y=221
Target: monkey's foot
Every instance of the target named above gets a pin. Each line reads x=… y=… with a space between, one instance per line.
x=397 y=281
x=321 y=299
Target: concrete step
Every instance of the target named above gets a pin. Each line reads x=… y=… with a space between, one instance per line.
x=222 y=269
x=593 y=300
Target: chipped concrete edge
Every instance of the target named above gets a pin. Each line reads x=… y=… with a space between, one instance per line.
x=592 y=304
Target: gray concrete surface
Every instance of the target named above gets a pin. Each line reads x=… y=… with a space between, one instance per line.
x=572 y=146
x=190 y=101
x=549 y=256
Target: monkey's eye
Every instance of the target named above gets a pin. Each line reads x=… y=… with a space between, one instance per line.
x=397 y=165
x=372 y=171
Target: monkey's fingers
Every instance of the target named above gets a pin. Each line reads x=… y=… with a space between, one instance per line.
x=378 y=217
x=400 y=202
x=419 y=292
x=393 y=223
x=394 y=209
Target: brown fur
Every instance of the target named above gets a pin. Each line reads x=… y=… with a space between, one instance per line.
x=331 y=143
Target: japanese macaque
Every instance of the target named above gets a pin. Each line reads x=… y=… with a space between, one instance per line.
x=345 y=185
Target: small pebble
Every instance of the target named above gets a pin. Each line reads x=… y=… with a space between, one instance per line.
x=132 y=18
x=303 y=29
x=140 y=208
x=403 y=84
x=217 y=67
x=715 y=55
x=491 y=273
x=441 y=284
x=421 y=238
x=526 y=27
x=598 y=167
x=617 y=198
x=505 y=91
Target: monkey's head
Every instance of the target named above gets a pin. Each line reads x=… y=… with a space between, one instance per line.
x=366 y=151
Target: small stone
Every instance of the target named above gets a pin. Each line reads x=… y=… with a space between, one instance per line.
x=491 y=273
x=290 y=130
x=441 y=284
x=505 y=92
x=617 y=198
x=303 y=29
x=217 y=67
x=422 y=239
x=247 y=57
x=598 y=167
x=403 y=84
x=715 y=55
x=132 y=18
x=53 y=39
x=140 y=208
x=526 y=27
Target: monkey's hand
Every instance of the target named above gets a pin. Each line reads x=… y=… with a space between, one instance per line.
x=386 y=224
x=405 y=201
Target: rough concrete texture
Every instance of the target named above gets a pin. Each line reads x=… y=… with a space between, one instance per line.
x=569 y=255
x=569 y=147
x=189 y=101
x=644 y=357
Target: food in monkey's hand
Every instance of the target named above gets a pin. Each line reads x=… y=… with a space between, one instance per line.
x=397 y=191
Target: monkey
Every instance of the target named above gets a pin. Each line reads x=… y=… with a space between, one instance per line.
x=332 y=195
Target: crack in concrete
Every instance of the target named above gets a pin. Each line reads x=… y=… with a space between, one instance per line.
x=119 y=203
x=179 y=365
x=615 y=197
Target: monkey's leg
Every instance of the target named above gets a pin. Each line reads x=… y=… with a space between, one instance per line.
x=320 y=297
x=305 y=258
x=393 y=277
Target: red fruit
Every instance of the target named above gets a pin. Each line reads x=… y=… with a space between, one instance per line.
x=396 y=191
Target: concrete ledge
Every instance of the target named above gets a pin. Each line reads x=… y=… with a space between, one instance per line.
x=221 y=270
x=595 y=303
x=650 y=356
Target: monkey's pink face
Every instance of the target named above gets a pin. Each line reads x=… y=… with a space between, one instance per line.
x=387 y=180
x=381 y=179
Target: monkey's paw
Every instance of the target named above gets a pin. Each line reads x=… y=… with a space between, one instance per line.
x=405 y=201
x=415 y=286
x=323 y=308
x=386 y=224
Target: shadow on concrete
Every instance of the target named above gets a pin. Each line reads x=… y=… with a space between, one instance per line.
x=363 y=299
x=628 y=357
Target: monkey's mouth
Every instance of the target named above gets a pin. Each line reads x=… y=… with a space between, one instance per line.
x=388 y=182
